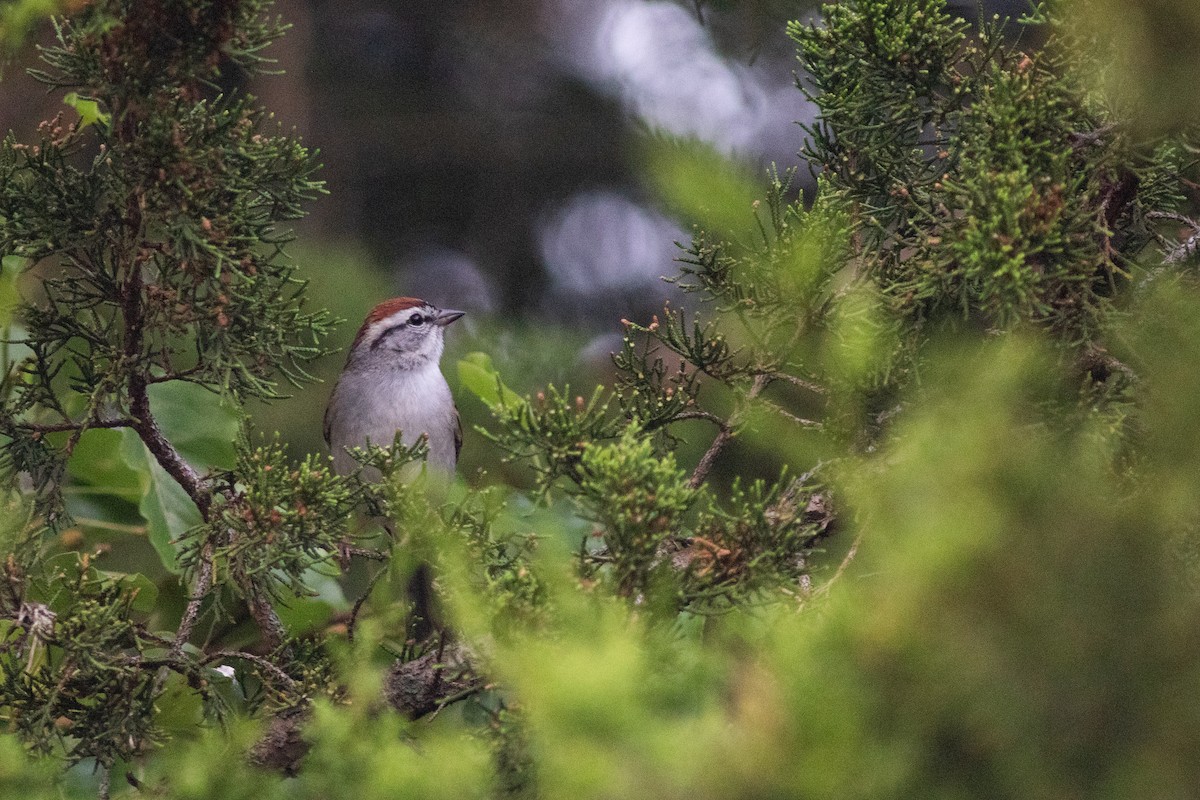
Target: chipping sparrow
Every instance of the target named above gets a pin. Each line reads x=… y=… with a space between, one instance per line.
x=392 y=382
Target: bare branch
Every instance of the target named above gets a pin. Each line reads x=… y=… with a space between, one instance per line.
x=258 y=661
x=704 y=415
x=269 y=624
x=1174 y=217
x=783 y=412
x=850 y=554
x=761 y=381
x=710 y=455
x=1184 y=251
x=59 y=427
x=199 y=591
x=801 y=382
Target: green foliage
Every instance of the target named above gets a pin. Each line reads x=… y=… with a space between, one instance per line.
x=1140 y=51
x=552 y=431
x=639 y=497
x=820 y=538
x=78 y=682
x=272 y=521
x=19 y=17
x=988 y=181
x=154 y=225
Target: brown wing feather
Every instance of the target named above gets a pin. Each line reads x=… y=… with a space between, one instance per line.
x=457 y=434
x=328 y=421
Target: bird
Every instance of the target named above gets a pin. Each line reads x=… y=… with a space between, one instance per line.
x=392 y=383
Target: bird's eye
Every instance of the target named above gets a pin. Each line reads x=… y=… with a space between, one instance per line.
x=416 y=319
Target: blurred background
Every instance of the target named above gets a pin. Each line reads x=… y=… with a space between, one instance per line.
x=486 y=156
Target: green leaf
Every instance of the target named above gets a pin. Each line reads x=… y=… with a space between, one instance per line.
x=705 y=187
x=147 y=591
x=476 y=374
x=303 y=615
x=196 y=423
x=98 y=462
x=180 y=708
x=166 y=507
x=88 y=110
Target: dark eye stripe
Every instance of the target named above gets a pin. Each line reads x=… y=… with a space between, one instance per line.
x=415 y=320
x=386 y=333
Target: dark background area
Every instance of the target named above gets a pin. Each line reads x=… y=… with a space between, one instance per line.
x=486 y=155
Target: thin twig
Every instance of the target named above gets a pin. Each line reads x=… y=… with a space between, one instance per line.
x=104 y=525
x=199 y=592
x=360 y=602
x=1184 y=251
x=710 y=455
x=178 y=375
x=139 y=400
x=363 y=552
x=850 y=554
x=708 y=416
x=454 y=698
x=258 y=661
x=761 y=381
x=269 y=624
x=783 y=412
x=165 y=453
x=1174 y=217
x=801 y=382
x=74 y=426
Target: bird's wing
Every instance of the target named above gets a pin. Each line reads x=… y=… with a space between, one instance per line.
x=457 y=434
x=328 y=427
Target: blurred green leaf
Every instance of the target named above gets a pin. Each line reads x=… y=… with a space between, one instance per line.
x=19 y=17
x=476 y=374
x=98 y=461
x=1145 y=56
x=146 y=591
x=116 y=462
x=10 y=298
x=180 y=708
x=706 y=188
x=87 y=108
x=303 y=615
x=21 y=776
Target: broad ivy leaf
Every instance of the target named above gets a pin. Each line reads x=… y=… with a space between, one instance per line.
x=196 y=423
x=166 y=507
x=303 y=615
x=477 y=375
x=180 y=709
x=147 y=592
x=98 y=462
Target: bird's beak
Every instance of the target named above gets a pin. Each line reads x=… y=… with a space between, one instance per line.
x=446 y=316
